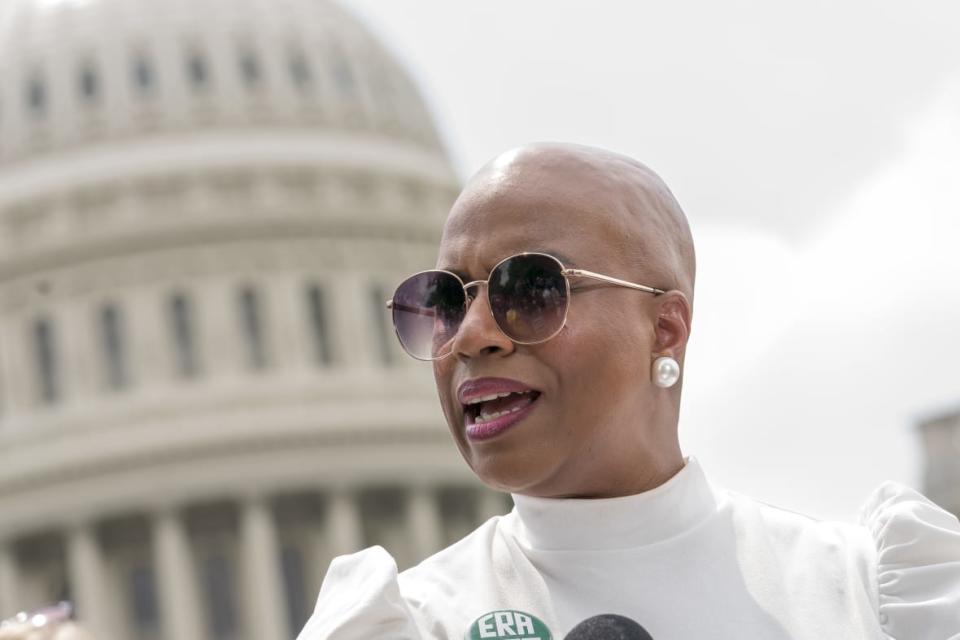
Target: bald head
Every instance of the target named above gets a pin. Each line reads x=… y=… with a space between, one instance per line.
x=651 y=230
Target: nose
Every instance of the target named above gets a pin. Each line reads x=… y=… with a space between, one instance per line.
x=478 y=333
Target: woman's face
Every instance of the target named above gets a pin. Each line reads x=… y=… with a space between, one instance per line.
x=586 y=394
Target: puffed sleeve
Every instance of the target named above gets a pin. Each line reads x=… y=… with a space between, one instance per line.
x=918 y=564
x=360 y=600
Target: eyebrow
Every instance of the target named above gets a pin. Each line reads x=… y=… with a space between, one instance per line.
x=566 y=260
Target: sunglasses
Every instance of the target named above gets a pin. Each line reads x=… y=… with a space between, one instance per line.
x=528 y=296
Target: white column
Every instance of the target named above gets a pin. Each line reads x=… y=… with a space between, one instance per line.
x=492 y=503
x=9 y=581
x=424 y=523
x=13 y=369
x=351 y=307
x=182 y=617
x=73 y=342
x=149 y=341
x=263 y=582
x=344 y=527
x=220 y=343
x=286 y=320
x=86 y=572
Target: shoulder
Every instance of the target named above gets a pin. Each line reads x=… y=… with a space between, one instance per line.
x=363 y=597
x=918 y=563
x=795 y=529
x=904 y=551
x=360 y=600
x=812 y=555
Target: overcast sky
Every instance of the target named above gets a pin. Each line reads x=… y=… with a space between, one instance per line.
x=816 y=150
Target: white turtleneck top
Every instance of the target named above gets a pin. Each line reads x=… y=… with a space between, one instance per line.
x=684 y=560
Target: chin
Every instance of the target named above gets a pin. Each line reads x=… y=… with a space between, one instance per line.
x=511 y=476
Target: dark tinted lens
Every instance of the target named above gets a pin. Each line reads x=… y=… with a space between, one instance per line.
x=427 y=311
x=528 y=297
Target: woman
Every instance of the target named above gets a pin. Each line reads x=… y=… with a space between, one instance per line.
x=557 y=323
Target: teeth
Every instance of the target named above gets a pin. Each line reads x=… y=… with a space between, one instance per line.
x=486 y=417
x=494 y=396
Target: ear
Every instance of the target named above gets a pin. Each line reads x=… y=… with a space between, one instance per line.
x=674 y=315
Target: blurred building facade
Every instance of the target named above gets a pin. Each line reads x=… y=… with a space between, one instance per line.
x=940 y=435
x=203 y=206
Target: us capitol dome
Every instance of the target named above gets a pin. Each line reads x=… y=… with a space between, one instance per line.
x=203 y=206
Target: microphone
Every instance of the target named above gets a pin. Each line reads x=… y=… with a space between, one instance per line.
x=608 y=626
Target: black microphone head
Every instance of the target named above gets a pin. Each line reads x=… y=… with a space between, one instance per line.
x=608 y=626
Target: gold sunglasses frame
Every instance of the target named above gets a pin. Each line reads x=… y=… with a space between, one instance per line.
x=564 y=271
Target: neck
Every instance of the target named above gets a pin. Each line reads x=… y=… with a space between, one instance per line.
x=630 y=474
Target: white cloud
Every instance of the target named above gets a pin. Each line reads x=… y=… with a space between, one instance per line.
x=798 y=101
x=806 y=394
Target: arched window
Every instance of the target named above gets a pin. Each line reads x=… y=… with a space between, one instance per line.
x=250 y=69
x=181 y=319
x=251 y=320
x=300 y=71
x=142 y=602
x=198 y=72
x=116 y=374
x=44 y=350
x=295 y=586
x=218 y=581
x=142 y=72
x=36 y=95
x=88 y=83
x=319 y=324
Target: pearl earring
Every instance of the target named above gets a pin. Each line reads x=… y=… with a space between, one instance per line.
x=666 y=371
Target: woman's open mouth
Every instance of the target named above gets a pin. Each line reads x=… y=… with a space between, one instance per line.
x=491 y=406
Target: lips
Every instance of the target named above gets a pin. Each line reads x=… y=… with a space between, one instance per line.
x=493 y=405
